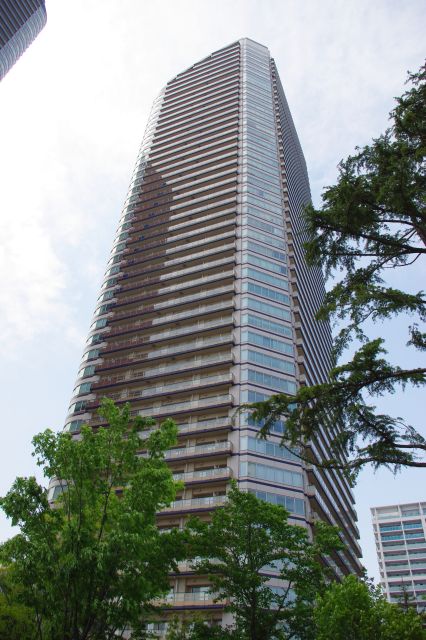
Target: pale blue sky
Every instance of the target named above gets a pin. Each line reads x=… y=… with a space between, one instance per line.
x=72 y=114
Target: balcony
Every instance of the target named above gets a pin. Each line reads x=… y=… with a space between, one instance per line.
x=187 y=405
x=203 y=475
x=188 y=598
x=204 y=425
x=214 y=448
x=190 y=504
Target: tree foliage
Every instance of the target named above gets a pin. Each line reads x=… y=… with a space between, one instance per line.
x=371 y=225
x=90 y=566
x=16 y=620
x=356 y=610
x=246 y=543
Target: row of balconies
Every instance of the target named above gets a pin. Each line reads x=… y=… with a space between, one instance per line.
x=205 y=231
x=183 y=366
x=167 y=409
x=136 y=357
x=195 y=92
x=153 y=256
x=154 y=211
x=165 y=388
x=201 y=294
x=145 y=281
x=177 y=330
x=158 y=321
x=161 y=263
x=202 y=287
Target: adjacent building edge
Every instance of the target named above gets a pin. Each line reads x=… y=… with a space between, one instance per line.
x=400 y=536
x=20 y=23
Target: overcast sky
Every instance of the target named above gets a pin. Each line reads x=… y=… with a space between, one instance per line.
x=72 y=115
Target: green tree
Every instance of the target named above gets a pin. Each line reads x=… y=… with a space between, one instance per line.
x=371 y=225
x=16 y=620
x=90 y=566
x=355 y=610
x=246 y=541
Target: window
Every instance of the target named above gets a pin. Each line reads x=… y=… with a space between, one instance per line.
x=269 y=216
x=294 y=505
x=74 y=426
x=268 y=380
x=264 y=204
x=77 y=407
x=390 y=527
x=264 y=264
x=267 y=325
x=265 y=277
x=83 y=388
x=269 y=309
x=265 y=292
x=265 y=251
x=87 y=371
x=91 y=355
x=267 y=448
x=264 y=360
x=271 y=241
x=267 y=342
x=264 y=226
x=273 y=474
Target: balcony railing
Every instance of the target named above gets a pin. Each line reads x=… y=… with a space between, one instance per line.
x=199 y=450
x=179 y=597
x=203 y=474
x=196 y=503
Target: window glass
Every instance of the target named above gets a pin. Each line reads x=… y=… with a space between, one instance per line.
x=275 y=242
x=261 y=276
x=263 y=195
x=265 y=292
x=263 y=204
x=267 y=251
x=268 y=380
x=267 y=325
x=264 y=360
x=273 y=474
x=264 y=226
x=269 y=309
x=267 y=216
x=266 y=341
x=294 y=505
x=253 y=260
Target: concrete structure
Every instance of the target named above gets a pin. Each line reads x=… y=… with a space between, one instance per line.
x=207 y=302
x=400 y=533
x=20 y=22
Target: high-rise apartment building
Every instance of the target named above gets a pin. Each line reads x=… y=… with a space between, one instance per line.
x=400 y=534
x=20 y=22
x=207 y=301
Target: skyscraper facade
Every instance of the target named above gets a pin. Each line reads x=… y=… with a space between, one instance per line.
x=207 y=302
x=400 y=535
x=20 y=22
